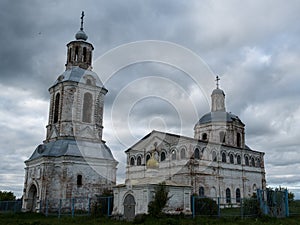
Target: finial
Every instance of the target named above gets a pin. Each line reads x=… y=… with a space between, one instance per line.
x=82 y=15
x=217 y=80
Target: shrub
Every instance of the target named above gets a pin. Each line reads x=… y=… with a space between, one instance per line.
x=205 y=206
x=160 y=200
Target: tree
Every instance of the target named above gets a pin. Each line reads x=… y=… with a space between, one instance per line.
x=7 y=196
x=161 y=198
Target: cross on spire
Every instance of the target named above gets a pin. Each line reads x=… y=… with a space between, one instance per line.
x=82 y=15
x=217 y=80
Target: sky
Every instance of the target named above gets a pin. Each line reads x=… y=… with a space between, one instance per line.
x=158 y=60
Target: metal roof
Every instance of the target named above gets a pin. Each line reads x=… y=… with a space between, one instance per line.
x=65 y=147
x=219 y=116
x=77 y=74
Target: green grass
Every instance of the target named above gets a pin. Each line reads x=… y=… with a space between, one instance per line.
x=39 y=219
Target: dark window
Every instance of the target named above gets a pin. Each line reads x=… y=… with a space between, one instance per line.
x=197 y=153
x=139 y=161
x=162 y=156
x=222 y=136
x=79 y=180
x=204 y=136
x=76 y=53
x=56 y=108
x=224 y=157
x=84 y=54
x=182 y=153
x=258 y=162
x=173 y=155
x=238 y=159
x=70 y=54
x=228 y=196
x=214 y=156
x=246 y=161
x=231 y=158
x=252 y=162
x=147 y=157
x=132 y=161
x=201 y=191
x=238 y=139
x=238 y=195
x=88 y=82
x=87 y=107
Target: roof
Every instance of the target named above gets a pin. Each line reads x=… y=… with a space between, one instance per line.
x=65 y=147
x=173 y=139
x=77 y=74
x=219 y=116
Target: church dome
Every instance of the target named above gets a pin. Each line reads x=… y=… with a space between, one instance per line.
x=219 y=116
x=81 y=35
x=152 y=163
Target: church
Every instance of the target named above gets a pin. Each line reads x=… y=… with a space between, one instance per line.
x=73 y=161
x=216 y=162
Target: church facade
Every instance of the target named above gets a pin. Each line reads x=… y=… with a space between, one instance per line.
x=73 y=161
x=215 y=163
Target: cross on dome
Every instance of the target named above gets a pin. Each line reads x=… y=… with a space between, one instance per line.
x=217 y=80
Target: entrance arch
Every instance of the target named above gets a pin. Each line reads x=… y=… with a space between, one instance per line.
x=32 y=198
x=129 y=207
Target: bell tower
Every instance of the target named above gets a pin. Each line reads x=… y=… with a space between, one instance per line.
x=73 y=161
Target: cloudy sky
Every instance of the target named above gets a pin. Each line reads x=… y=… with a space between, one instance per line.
x=162 y=84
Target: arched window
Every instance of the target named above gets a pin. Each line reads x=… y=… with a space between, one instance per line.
x=222 y=136
x=147 y=158
x=231 y=158
x=238 y=159
x=139 y=161
x=56 y=108
x=224 y=157
x=204 y=136
x=252 y=162
x=173 y=155
x=197 y=153
x=214 y=156
x=182 y=153
x=238 y=139
x=84 y=54
x=87 y=108
x=238 y=195
x=228 y=196
x=201 y=191
x=79 y=180
x=70 y=55
x=162 y=156
x=246 y=161
x=131 y=161
x=258 y=162
x=76 y=53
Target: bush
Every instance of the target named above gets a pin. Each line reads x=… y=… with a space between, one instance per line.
x=205 y=206
x=251 y=207
x=161 y=198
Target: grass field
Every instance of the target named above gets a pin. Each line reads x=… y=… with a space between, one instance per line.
x=38 y=219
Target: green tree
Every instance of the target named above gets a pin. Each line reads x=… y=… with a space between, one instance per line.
x=161 y=198
x=7 y=196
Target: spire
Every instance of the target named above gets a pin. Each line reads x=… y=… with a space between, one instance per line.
x=81 y=35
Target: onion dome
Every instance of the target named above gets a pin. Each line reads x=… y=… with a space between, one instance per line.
x=152 y=163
